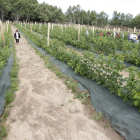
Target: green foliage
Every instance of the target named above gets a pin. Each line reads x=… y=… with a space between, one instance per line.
x=95 y=43
x=9 y=97
x=3 y=133
x=4 y=50
x=98 y=116
x=6 y=114
x=102 y=69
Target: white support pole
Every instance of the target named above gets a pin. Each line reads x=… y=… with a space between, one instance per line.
x=2 y=33
x=79 y=32
x=134 y=29
x=119 y=30
x=48 y=34
x=114 y=32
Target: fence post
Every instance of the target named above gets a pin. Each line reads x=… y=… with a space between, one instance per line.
x=134 y=29
x=2 y=33
x=48 y=34
x=79 y=32
x=114 y=32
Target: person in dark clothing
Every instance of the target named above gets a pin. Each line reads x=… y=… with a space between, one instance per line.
x=97 y=32
x=138 y=39
x=17 y=36
x=109 y=33
x=138 y=36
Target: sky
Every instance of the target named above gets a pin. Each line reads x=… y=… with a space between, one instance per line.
x=108 y=6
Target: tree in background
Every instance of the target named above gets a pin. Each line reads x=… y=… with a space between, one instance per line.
x=31 y=10
x=136 y=22
x=27 y=9
x=128 y=20
x=83 y=16
x=42 y=12
x=69 y=14
x=102 y=19
x=93 y=18
x=5 y=7
x=116 y=18
x=122 y=19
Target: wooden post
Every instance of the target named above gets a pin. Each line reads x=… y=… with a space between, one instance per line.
x=2 y=33
x=114 y=32
x=119 y=30
x=79 y=32
x=31 y=28
x=134 y=29
x=48 y=34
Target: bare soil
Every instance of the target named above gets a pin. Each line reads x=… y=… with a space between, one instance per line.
x=44 y=109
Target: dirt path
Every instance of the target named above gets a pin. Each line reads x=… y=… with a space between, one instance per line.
x=38 y=113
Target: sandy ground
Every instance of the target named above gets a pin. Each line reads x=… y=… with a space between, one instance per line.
x=44 y=109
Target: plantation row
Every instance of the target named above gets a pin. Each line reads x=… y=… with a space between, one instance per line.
x=95 y=43
x=101 y=69
x=4 y=50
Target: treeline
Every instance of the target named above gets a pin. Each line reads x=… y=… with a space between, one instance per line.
x=77 y=15
x=31 y=10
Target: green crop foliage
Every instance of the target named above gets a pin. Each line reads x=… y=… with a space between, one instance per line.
x=102 y=69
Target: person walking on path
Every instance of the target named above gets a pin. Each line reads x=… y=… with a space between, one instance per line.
x=17 y=36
